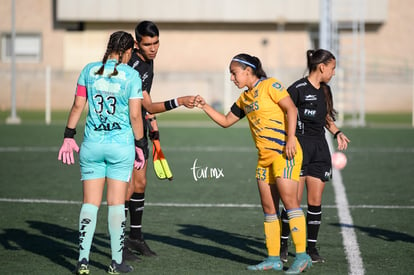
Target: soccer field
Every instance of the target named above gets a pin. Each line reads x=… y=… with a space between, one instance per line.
x=207 y=220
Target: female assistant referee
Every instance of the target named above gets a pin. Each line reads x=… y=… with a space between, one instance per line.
x=313 y=98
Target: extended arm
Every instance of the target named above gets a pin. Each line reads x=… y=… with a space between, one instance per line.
x=221 y=119
x=160 y=107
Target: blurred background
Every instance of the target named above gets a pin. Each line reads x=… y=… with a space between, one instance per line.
x=46 y=43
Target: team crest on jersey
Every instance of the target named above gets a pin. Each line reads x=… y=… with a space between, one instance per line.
x=277 y=86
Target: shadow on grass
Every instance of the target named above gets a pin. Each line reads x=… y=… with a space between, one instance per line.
x=222 y=238
x=383 y=234
x=57 y=243
x=60 y=245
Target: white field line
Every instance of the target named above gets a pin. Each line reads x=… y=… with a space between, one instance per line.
x=247 y=149
x=47 y=149
x=348 y=233
x=206 y=205
x=349 y=239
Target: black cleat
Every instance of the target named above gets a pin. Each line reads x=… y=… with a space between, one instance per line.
x=129 y=256
x=313 y=253
x=284 y=254
x=115 y=268
x=82 y=267
x=140 y=246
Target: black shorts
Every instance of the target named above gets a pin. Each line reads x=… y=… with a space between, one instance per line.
x=316 y=158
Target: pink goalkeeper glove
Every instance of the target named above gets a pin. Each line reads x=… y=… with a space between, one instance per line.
x=139 y=158
x=66 y=151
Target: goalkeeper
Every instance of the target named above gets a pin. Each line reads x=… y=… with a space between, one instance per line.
x=113 y=93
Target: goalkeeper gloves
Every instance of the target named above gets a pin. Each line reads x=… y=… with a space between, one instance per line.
x=66 y=151
x=141 y=153
x=69 y=144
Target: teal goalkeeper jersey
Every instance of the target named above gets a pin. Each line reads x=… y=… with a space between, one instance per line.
x=108 y=115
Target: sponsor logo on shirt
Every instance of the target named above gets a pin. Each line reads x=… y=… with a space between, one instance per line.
x=136 y=63
x=301 y=84
x=311 y=98
x=144 y=76
x=251 y=107
x=309 y=113
x=106 y=126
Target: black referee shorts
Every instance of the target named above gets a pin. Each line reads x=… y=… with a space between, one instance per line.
x=316 y=158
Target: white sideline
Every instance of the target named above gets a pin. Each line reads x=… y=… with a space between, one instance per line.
x=349 y=239
x=206 y=205
x=350 y=242
x=239 y=149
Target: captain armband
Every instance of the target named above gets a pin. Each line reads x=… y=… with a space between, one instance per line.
x=237 y=111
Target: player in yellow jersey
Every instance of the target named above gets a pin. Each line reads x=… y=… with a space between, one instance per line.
x=272 y=119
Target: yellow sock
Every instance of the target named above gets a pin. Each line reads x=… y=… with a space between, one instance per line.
x=272 y=235
x=297 y=225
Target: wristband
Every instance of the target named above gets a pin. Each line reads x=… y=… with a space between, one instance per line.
x=154 y=135
x=141 y=143
x=69 y=132
x=337 y=133
x=171 y=104
x=152 y=119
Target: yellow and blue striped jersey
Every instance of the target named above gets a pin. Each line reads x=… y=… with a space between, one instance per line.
x=267 y=121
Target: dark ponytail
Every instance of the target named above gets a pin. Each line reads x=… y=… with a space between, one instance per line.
x=119 y=42
x=245 y=60
x=329 y=104
x=314 y=58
